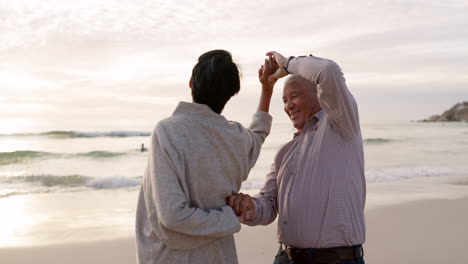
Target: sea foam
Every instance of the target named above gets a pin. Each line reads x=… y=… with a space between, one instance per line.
x=403 y=173
x=113 y=182
x=66 y=181
x=383 y=175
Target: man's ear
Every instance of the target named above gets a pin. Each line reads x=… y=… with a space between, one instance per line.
x=191 y=83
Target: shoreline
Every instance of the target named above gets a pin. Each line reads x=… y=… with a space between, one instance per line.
x=425 y=231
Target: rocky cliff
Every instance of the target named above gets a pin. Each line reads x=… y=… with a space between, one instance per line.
x=458 y=112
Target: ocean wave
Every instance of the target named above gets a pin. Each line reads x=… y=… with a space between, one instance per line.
x=8 y=194
x=404 y=173
x=58 y=134
x=51 y=180
x=98 y=154
x=21 y=156
x=113 y=182
x=28 y=155
x=113 y=134
x=78 y=134
x=74 y=181
x=384 y=175
x=378 y=140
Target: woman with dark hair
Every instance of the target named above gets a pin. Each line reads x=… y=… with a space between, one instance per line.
x=198 y=158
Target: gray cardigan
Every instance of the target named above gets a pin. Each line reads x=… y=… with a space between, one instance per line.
x=197 y=159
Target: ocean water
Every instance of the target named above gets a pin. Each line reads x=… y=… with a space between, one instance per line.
x=71 y=183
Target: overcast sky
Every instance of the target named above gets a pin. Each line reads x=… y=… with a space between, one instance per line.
x=93 y=64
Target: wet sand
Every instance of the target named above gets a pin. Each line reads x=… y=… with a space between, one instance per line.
x=429 y=231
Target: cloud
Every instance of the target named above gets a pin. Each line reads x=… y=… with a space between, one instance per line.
x=93 y=55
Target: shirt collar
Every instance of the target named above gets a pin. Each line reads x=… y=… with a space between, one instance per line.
x=319 y=114
x=310 y=123
x=186 y=108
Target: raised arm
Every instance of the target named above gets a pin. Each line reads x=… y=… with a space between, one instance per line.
x=267 y=80
x=261 y=122
x=333 y=94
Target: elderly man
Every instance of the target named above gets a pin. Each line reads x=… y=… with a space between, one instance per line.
x=316 y=186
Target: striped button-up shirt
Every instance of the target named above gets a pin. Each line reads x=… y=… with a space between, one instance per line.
x=317 y=186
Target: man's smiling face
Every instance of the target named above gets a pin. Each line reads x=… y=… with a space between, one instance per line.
x=300 y=101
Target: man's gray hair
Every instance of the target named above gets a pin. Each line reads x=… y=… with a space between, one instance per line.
x=297 y=78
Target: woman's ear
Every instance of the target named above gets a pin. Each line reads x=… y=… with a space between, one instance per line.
x=191 y=83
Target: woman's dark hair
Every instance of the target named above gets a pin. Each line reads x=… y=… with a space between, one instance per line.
x=215 y=79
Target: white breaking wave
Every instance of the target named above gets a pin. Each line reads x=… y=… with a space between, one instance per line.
x=52 y=183
x=383 y=175
x=112 y=182
x=404 y=173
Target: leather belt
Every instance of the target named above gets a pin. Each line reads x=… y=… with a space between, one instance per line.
x=323 y=255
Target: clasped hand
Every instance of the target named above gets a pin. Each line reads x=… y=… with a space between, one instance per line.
x=243 y=206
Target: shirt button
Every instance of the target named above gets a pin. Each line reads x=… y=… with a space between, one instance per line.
x=285 y=222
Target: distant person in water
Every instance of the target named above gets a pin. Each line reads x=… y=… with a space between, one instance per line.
x=143 y=149
x=197 y=158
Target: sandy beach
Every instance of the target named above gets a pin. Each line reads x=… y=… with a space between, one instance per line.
x=429 y=231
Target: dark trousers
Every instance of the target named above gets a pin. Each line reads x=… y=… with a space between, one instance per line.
x=282 y=258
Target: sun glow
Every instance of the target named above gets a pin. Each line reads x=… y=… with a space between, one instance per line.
x=16 y=221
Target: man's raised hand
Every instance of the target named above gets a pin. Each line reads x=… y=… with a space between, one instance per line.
x=281 y=61
x=266 y=72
